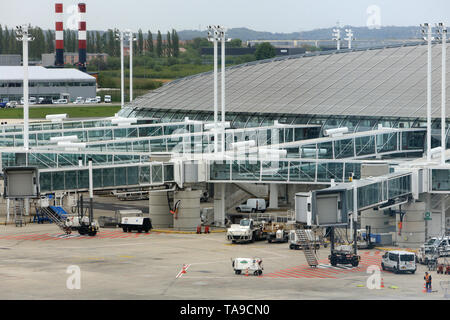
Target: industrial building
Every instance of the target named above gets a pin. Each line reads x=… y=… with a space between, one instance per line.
x=46 y=83
x=71 y=58
x=283 y=106
x=10 y=60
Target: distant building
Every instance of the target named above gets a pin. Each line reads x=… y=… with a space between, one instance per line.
x=251 y=50
x=10 y=59
x=46 y=83
x=71 y=58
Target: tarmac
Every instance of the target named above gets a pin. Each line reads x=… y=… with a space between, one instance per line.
x=37 y=261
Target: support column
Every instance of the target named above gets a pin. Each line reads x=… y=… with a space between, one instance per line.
x=443 y=203
x=159 y=210
x=273 y=196
x=219 y=204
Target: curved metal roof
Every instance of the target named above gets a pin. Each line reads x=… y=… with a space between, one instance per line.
x=36 y=73
x=388 y=81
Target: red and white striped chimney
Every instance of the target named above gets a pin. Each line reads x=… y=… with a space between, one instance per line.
x=82 y=37
x=59 y=35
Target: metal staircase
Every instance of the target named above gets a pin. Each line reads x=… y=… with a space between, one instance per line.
x=56 y=219
x=18 y=213
x=308 y=248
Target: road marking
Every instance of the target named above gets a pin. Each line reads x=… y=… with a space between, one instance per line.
x=180 y=274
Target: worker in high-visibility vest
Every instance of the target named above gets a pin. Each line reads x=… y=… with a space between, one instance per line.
x=427 y=279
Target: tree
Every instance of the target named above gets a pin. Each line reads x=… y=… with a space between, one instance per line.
x=1 y=40
x=98 y=43
x=175 y=44
x=140 y=44
x=150 y=42
x=168 y=45
x=265 y=51
x=235 y=43
x=50 y=43
x=159 y=49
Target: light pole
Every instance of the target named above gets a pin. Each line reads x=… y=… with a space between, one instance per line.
x=131 y=39
x=213 y=36
x=224 y=40
x=337 y=37
x=441 y=30
x=349 y=34
x=427 y=33
x=22 y=34
x=120 y=37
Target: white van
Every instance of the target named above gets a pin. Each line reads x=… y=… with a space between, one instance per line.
x=399 y=261
x=252 y=205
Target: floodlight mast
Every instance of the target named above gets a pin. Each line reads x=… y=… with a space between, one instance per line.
x=349 y=38
x=337 y=37
x=441 y=30
x=427 y=33
x=131 y=39
x=22 y=34
x=120 y=37
x=213 y=36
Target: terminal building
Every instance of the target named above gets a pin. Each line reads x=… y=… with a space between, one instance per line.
x=285 y=107
x=47 y=83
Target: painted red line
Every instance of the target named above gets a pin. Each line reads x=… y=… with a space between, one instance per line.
x=321 y=271
x=312 y=273
x=40 y=237
x=278 y=275
x=290 y=274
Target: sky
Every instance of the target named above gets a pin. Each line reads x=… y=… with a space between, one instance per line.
x=282 y=16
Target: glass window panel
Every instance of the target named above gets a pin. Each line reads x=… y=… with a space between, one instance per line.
x=219 y=170
x=246 y=170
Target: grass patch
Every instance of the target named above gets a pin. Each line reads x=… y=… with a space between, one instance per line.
x=72 y=112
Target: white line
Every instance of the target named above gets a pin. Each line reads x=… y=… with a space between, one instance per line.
x=180 y=274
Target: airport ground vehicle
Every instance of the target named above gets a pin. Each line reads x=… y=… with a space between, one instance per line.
x=252 y=205
x=399 y=261
x=279 y=235
x=11 y=104
x=107 y=99
x=83 y=225
x=247 y=230
x=294 y=242
x=138 y=224
x=434 y=248
x=247 y=266
x=343 y=255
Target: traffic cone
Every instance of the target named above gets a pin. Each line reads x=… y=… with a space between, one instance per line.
x=184 y=269
x=424 y=288
x=382 y=283
x=246 y=273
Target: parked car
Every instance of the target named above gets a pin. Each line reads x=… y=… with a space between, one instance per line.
x=3 y=104
x=99 y=99
x=11 y=104
x=107 y=99
x=46 y=101
x=79 y=100
x=90 y=100
x=399 y=261
x=252 y=205
x=61 y=101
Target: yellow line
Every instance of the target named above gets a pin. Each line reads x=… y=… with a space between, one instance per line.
x=393 y=249
x=183 y=232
